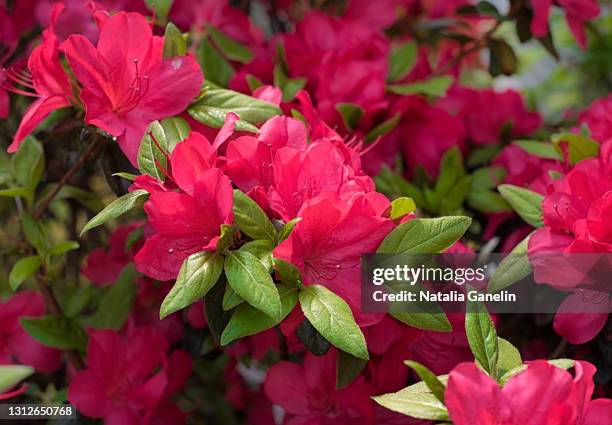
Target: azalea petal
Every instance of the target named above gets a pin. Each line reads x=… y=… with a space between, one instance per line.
x=581 y=316
x=161 y=257
x=36 y=113
x=226 y=131
x=281 y=131
x=597 y=412
x=4 y=102
x=89 y=67
x=88 y=393
x=190 y=159
x=286 y=387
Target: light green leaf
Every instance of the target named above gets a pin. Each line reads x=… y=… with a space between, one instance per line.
x=331 y=316
x=415 y=404
x=252 y=282
x=538 y=149
x=248 y=320
x=513 y=268
x=23 y=269
x=231 y=299
x=262 y=249
x=509 y=357
x=64 y=247
x=56 y=332
x=174 y=42
x=401 y=61
x=28 y=163
x=289 y=86
x=431 y=380
x=579 y=147
x=287 y=229
x=251 y=219
x=212 y=107
x=198 y=274
x=435 y=86
x=13 y=192
x=216 y=68
x=526 y=203
x=115 y=209
x=401 y=207
x=482 y=336
x=425 y=235
x=11 y=375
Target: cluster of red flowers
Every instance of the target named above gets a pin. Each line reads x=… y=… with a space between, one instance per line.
x=343 y=117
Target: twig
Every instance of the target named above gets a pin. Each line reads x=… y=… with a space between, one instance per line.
x=93 y=147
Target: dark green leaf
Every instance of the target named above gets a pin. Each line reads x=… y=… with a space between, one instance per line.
x=174 y=42
x=482 y=336
x=13 y=192
x=232 y=49
x=34 y=232
x=429 y=321
x=117 y=302
x=512 y=269
x=502 y=59
x=383 y=128
x=351 y=114
x=56 y=332
x=289 y=274
x=348 y=367
x=28 y=163
x=216 y=68
x=216 y=317
x=63 y=247
x=289 y=86
x=312 y=339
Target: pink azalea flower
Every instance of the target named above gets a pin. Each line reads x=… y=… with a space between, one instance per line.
x=541 y=395
x=576 y=211
x=188 y=221
x=598 y=118
x=309 y=396
x=127 y=380
x=48 y=80
x=16 y=346
x=577 y=12
x=103 y=266
x=126 y=82
x=326 y=244
x=487 y=113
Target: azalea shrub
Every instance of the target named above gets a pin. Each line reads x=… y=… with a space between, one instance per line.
x=187 y=189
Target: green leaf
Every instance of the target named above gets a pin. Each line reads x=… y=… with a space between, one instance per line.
x=538 y=149
x=232 y=49
x=133 y=237
x=174 y=42
x=487 y=201
x=579 y=147
x=482 y=336
x=251 y=219
x=482 y=155
x=435 y=86
x=248 y=320
x=401 y=61
x=64 y=247
x=331 y=316
x=212 y=107
x=216 y=317
x=262 y=249
x=427 y=321
x=13 y=192
x=289 y=86
x=34 y=232
x=502 y=60
x=509 y=357
x=351 y=114
x=28 y=163
x=216 y=68
x=85 y=198
x=126 y=176
x=312 y=339
x=289 y=274
x=514 y=268
x=348 y=367
x=160 y=8
x=117 y=302
x=115 y=209
x=11 y=375
x=431 y=380
x=198 y=274
x=252 y=282
x=418 y=405
x=401 y=207
x=424 y=235
x=157 y=144
x=56 y=332
x=526 y=203
x=23 y=269
x=383 y=128
x=231 y=299
x=287 y=229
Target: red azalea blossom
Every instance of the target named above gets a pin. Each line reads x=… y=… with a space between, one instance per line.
x=129 y=380
x=541 y=395
x=16 y=346
x=189 y=221
x=127 y=83
x=577 y=13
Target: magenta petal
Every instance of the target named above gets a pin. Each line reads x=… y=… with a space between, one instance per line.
x=286 y=387
x=88 y=394
x=190 y=159
x=36 y=113
x=597 y=412
x=581 y=316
